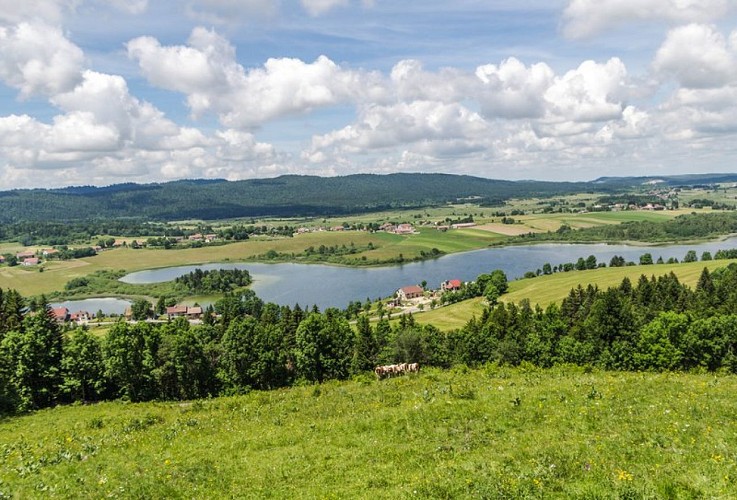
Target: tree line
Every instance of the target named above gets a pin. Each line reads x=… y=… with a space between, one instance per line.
x=653 y=324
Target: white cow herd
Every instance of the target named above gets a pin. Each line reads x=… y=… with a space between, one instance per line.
x=395 y=370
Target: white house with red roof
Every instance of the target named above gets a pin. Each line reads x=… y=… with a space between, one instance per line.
x=450 y=285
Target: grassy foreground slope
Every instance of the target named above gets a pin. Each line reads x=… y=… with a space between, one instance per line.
x=492 y=433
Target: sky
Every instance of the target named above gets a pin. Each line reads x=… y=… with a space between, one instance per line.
x=99 y=92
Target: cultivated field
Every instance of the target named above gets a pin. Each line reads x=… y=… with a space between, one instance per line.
x=489 y=433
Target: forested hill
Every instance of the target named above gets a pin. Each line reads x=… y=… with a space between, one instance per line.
x=290 y=195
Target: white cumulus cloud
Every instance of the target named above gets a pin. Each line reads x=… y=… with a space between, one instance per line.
x=698 y=56
x=590 y=93
x=207 y=72
x=512 y=90
x=37 y=58
x=405 y=124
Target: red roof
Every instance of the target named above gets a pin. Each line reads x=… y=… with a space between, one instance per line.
x=60 y=312
x=412 y=289
x=454 y=284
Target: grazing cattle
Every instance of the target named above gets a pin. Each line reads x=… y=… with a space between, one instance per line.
x=394 y=370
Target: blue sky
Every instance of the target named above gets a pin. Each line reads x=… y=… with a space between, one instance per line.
x=100 y=92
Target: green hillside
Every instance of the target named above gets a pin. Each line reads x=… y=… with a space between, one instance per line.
x=296 y=195
x=489 y=433
x=290 y=195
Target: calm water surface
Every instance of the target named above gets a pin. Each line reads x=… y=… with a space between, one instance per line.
x=332 y=286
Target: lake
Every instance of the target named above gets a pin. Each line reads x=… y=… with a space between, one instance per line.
x=333 y=286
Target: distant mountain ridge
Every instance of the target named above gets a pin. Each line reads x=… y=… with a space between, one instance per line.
x=290 y=195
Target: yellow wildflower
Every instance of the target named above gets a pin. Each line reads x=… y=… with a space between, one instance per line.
x=623 y=475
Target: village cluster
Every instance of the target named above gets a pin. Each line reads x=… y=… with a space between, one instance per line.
x=407 y=298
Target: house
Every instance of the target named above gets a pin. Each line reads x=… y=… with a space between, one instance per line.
x=450 y=285
x=176 y=311
x=210 y=238
x=462 y=225
x=179 y=311
x=196 y=237
x=404 y=229
x=410 y=292
x=60 y=314
x=194 y=312
x=81 y=317
x=2 y=259
x=30 y=261
x=388 y=227
x=49 y=251
x=24 y=255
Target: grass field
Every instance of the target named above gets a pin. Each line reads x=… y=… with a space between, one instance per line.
x=452 y=316
x=489 y=433
x=545 y=290
x=555 y=287
x=551 y=222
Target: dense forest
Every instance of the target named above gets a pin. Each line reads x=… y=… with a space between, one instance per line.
x=290 y=195
x=654 y=324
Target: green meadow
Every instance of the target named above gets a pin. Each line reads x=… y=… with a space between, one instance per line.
x=487 y=433
x=551 y=288
x=547 y=289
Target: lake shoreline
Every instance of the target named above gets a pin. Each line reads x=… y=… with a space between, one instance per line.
x=290 y=283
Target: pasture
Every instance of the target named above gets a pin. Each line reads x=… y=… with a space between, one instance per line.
x=490 y=433
x=546 y=289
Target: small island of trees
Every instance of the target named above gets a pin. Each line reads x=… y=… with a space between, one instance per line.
x=215 y=281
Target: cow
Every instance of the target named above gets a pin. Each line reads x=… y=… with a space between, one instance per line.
x=394 y=370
